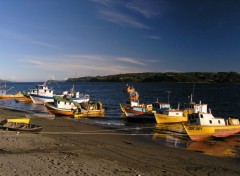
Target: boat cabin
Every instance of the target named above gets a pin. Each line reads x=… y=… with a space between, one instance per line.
x=202 y=118
x=194 y=107
x=160 y=107
x=64 y=103
x=173 y=112
x=132 y=103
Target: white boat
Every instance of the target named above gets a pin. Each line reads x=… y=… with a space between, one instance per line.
x=203 y=125
x=43 y=94
x=63 y=106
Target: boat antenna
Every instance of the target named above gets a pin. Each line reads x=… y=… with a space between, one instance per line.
x=192 y=97
x=168 y=95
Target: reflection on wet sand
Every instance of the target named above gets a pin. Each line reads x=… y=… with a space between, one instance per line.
x=173 y=135
x=172 y=127
x=225 y=147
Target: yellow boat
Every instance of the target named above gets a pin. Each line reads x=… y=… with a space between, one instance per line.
x=17 y=95
x=16 y=120
x=171 y=116
x=202 y=126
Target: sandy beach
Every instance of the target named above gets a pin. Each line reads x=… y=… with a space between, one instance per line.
x=67 y=147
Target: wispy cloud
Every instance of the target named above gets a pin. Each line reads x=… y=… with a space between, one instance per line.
x=130 y=60
x=146 y=8
x=24 y=38
x=152 y=37
x=122 y=20
x=104 y=2
x=88 y=65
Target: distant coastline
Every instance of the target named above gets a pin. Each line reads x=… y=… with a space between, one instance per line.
x=196 y=77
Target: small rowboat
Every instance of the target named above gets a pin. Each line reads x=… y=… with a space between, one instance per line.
x=23 y=100
x=23 y=127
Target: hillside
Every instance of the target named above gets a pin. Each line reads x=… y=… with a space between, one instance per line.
x=203 y=77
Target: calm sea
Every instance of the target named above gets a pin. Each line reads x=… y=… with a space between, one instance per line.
x=222 y=99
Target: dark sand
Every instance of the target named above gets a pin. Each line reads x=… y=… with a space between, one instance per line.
x=66 y=147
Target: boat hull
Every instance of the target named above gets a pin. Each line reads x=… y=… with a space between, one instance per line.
x=37 y=99
x=9 y=96
x=201 y=132
x=23 y=127
x=58 y=111
x=163 y=118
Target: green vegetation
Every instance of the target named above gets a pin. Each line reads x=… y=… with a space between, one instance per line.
x=201 y=77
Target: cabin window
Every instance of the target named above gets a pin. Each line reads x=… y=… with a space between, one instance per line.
x=210 y=121
x=45 y=90
x=201 y=116
x=65 y=102
x=219 y=121
x=69 y=103
x=58 y=102
x=177 y=113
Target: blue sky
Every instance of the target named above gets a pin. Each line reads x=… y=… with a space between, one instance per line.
x=75 y=38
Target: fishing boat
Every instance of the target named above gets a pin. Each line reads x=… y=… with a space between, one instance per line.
x=133 y=97
x=145 y=112
x=203 y=125
x=23 y=100
x=63 y=106
x=169 y=115
x=5 y=95
x=89 y=109
x=44 y=93
x=23 y=127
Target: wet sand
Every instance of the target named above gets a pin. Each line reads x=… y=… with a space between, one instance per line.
x=67 y=147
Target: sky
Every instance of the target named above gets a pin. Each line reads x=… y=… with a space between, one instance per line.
x=76 y=38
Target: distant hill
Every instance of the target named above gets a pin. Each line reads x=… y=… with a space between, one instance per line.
x=197 y=77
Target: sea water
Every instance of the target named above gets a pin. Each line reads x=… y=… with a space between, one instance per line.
x=222 y=99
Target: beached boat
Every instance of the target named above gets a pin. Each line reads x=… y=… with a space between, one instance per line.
x=203 y=125
x=43 y=94
x=63 y=106
x=23 y=127
x=169 y=115
x=146 y=112
x=133 y=97
x=23 y=100
x=5 y=95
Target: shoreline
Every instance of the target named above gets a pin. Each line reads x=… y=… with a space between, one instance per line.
x=68 y=147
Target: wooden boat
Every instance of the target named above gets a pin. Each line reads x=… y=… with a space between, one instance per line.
x=5 y=95
x=23 y=100
x=146 y=112
x=44 y=93
x=23 y=127
x=203 y=125
x=169 y=115
x=62 y=106
x=8 y=96
x=25 y=120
